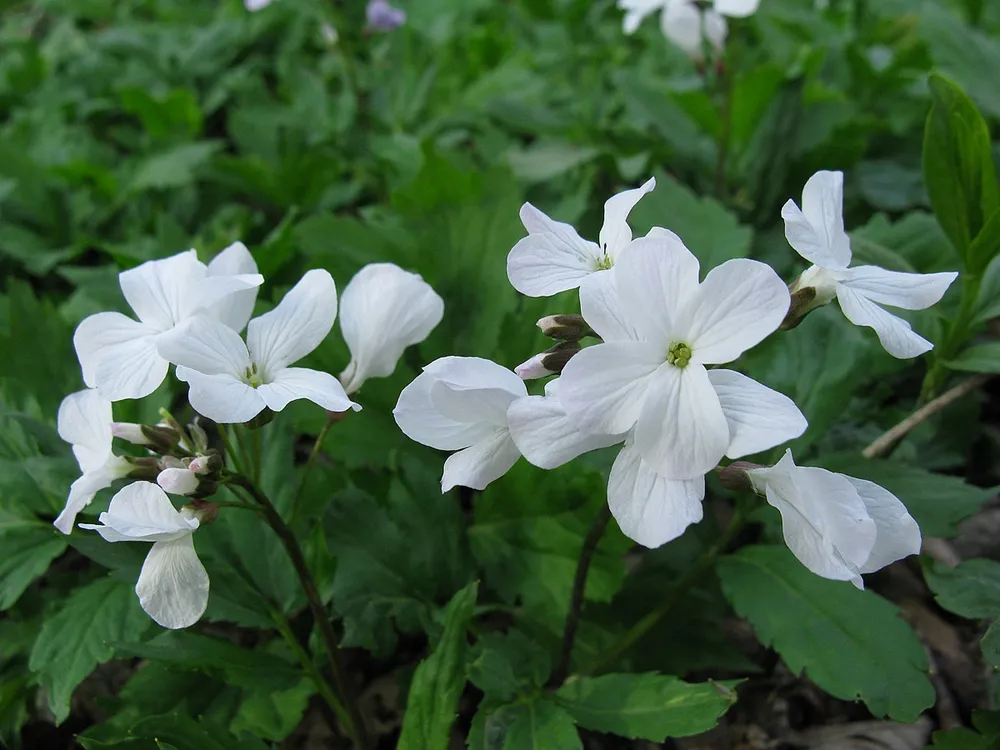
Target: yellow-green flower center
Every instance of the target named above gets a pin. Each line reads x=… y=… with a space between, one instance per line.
x=253 y=378
x=605 y=262
x=679 y=355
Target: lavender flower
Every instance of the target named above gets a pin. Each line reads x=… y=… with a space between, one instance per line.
x=383 y=17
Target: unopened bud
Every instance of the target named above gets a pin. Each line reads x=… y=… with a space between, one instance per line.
x=206 y=512
x=813 y=289
x=208 y=463
x=129 y=431
x=178 y=481
x=555 y=359
x=146 y=468
x=533 y=369
x=735 y=476
x=199 y=437
x=565 y=327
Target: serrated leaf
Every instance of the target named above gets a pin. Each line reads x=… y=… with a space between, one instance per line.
x=440 y=679
x=542 y=725
x=646 y=706
x=851 y=643
x=506 y=663
x=273 y=714
x=178 y=730
x=970 y=589
x=79 y=635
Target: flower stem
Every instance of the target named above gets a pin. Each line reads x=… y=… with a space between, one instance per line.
x=702 y=565
x=561 y=671
x=957 y=334
x=310 y=462
x=354 y=724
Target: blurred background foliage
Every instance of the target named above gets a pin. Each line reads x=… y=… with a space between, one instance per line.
x=135 y=129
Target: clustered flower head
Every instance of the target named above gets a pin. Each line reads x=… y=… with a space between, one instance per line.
x=191 y=315
x=654 y=384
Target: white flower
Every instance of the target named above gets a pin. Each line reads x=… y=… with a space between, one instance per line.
x=838 y=526
x=119 y=355
x=554 y=258
x=254 y=5
x=383 y=310
x=85 y=422
x=684 y=23
x=460 y=404
x=173 y=584
x=817 y=234
x=178 y=481
x=233 y=382
x=660 y=329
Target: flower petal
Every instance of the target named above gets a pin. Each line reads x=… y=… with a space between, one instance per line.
x=142 y=512
x=738 y=305
x=737 y=8
x=546 y=436
x=681 y=24
x=649 y=508
x=118 y=356
x=541 y=265
x=222 y=398
x=297 y=325
x=235 y=310
x=294 y=383
x=816 y=232
x=82 y=491
x=602 y=308
x=636 y=11
x=603 y=388
x=898 y=535
x=716 y=28
x=383 y=310
x=481 y=463
x=207 y=346
x=161 y=292
x=895 y=334
x=655 y=279
x=616 y=233
x=910 y=291
x=475 y=373
x=421 y=421
x=84 y=421
x=472 y=405
x=758 y=417
x=173 y=584
x=682 y=432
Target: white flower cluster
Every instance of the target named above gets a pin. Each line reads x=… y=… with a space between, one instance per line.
x=191 y=315
x=687 y=23
x=654 y=386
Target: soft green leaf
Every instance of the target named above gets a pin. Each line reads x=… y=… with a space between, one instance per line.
x=440 y=679
x=542 y=725
x=176 y=730
x=985 y=736
x=28 y=548
x=980 y=358
x=958 y=168
x=78 y=637
x=970 y=589
x=173 y=168
x=966 y=54
x=938 y=502
x=851 y=643
x=274 y=714
x=647 y=706
x=986 y=246
x=990 y=644
x=507 y=663
x=544 y=161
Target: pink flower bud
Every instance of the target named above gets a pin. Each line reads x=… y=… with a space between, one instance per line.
x=178 y=481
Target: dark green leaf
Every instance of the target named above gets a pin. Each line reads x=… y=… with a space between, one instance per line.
x=506 y=663
x=970 y=589
x=28 y=548
x=985 y=736
x=542 y=725
x=980 y=358
x=851 y=643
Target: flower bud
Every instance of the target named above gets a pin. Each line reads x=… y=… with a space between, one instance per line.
x=565 y=327
x=146 y=468
x=199 y=437
x=550 y=362
x=735 y=476
x=178 y=481
x=208 y=463
x=206 y=512
x=813 y=289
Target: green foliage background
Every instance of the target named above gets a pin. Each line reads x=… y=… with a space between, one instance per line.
x=135 y=129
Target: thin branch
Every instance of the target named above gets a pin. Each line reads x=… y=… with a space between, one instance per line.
x=355 y=724
x=313 y=454
x=889 y=440
x=576 y=598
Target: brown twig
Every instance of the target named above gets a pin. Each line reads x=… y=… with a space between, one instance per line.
x=888 y=441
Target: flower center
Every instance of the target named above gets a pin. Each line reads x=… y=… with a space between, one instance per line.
x=679 y=355
x=605 y=262
x=253 y=378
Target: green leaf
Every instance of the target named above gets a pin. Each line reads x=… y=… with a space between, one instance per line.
x=958 y=168
x=851 y=643
x=647 y=706
x=173 y=168
x=912 y=243
x=986 y=735
x=938 y=502
x=542 y=725
x=966 y=54
x=274 y=714
x=440 y=679
x=986 y=246
x=990 y=644
x=708 y=228
x=175 y=730
x=78 y=637
x=970 y=589
x=546 y=160
x=28 y=548
x=507 y=663
x=980 y=358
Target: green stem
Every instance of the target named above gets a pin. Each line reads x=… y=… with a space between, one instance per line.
x=310 y=462
x=587 y=552
x=354 y=725
x=694 y=574
x=722 y=154
x=233 y=459
x=954 y=338
x=256 y=455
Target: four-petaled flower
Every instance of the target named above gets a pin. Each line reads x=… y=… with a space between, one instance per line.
x=233 y=382
x=383 y=310
x=173 y=584
x=119 y=355
x=838 y=526
x=554 y=258
x=816 y=232
x=85 y=422
x=685 y=23
x=460 y=404
x=650 y=373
